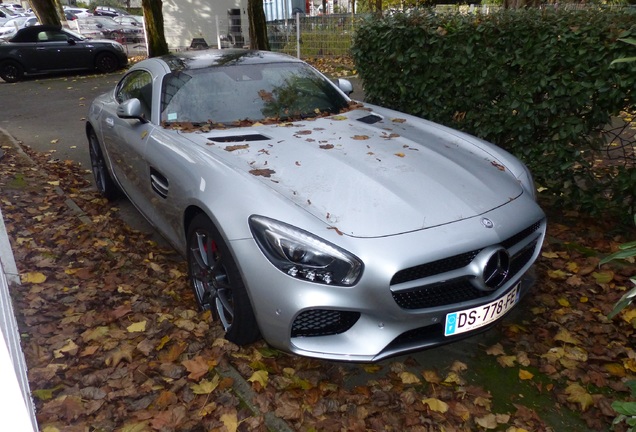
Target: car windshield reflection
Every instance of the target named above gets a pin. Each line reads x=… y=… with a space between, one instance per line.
x=229 y=94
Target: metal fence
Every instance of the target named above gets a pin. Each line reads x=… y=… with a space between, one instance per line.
x=332 y=35
x=317 y=36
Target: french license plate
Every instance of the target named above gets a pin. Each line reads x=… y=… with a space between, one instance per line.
x=470 y=319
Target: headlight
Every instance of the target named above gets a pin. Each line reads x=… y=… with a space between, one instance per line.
x=303 y=255
x=118 y=46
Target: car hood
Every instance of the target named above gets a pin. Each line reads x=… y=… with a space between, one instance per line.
x=368 y=174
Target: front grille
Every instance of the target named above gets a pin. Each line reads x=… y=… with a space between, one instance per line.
x=323 y=322
x=433 y=268
x=438 y=295
x=460 y=289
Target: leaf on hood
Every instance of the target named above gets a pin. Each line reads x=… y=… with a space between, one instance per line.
x=266 y=172
x=232 y=148
x=360 y=137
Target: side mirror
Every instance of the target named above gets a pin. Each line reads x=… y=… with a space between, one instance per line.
x=131 y=109
x=71 y=41
x=345 y=86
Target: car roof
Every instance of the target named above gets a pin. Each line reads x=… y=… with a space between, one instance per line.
x=201 y=59
x=29 y=34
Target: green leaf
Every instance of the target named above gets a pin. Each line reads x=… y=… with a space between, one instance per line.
x=625 y=408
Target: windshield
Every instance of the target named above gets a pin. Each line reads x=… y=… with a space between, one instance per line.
x=253 y=92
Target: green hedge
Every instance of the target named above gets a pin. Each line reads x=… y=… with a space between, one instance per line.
x=538 y=83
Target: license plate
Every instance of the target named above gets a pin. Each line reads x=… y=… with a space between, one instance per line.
x=470 y=319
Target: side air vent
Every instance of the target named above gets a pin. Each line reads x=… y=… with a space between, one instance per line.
x=370 y=119
x=239 y=138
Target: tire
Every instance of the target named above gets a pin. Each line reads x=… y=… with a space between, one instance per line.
x=217 y=283
x=11 y=71
x=106 y=63
x=103 y=180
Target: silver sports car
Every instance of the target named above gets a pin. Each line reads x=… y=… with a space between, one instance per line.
x=331 y=228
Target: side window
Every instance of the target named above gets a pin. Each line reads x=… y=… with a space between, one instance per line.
x=137 y=84
x=52 y=36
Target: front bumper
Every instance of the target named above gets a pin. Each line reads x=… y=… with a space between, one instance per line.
x=382 y=316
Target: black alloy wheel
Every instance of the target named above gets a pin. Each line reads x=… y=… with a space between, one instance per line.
x=106 y=62
x=11 y=71
x=217 y=283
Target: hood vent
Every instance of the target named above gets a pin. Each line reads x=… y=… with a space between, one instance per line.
x=239 y=138
x=370 y=119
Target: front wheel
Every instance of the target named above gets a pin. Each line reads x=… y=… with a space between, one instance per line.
x=217 y=283
x=106 y=62
x=11 y=71
x=103 y=181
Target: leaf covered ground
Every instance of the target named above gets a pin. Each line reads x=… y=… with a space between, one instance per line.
x=113 y=341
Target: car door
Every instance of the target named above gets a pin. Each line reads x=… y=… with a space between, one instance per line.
x=126 y=139
x=57 y=50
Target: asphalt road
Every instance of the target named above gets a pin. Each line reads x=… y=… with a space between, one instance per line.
x=48 y=114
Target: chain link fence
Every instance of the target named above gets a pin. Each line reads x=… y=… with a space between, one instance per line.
x=315 y=36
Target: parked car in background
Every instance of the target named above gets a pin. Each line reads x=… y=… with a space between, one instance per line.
x=69 y=16
x=109 y=11
x=332 y=228
x=41 y=49
x=17 y=8
x=7 y=14
x=110 y=29
x=11 y=27
x=79 y=12
x=130 y=20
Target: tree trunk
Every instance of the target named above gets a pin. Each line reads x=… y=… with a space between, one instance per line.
x=258 y=26
x=46 y=11
x=153 y=19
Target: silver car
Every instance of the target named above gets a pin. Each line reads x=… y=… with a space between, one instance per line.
x=333 y=229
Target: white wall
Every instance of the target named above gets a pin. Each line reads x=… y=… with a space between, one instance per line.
x=185 y=20
x=16 y=406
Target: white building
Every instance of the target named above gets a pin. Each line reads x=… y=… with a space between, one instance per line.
x=213 y=22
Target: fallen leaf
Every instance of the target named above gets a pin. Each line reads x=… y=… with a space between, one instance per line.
x=33 y=277
x=137 y=327
x=205 y=386
x=577 y=394
x=436 y=405
x=525 y=375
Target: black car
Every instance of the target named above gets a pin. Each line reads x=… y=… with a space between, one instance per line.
x=44 y=48
x=110 y=29
x=109 y=11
